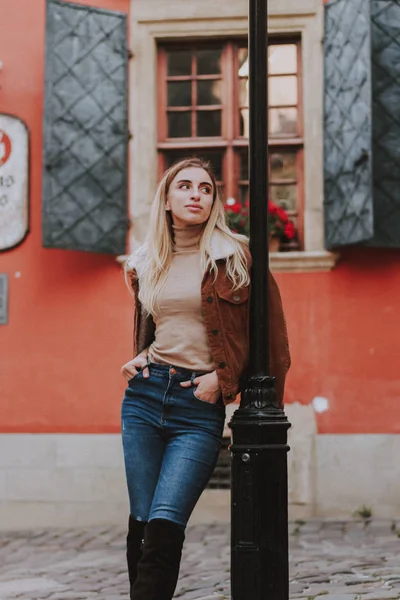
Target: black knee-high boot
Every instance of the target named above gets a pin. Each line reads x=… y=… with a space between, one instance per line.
x=158 y=568
x=134 y=542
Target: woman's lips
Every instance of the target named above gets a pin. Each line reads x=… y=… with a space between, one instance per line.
x=193 y=207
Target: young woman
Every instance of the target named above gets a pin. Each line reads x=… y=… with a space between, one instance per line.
x=190 y=282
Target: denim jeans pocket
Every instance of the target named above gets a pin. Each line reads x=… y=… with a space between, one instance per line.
x=132 y=379
x=216 y=404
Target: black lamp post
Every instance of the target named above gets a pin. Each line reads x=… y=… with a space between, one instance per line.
x=259 y=543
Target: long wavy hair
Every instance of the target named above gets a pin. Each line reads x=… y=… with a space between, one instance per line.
x=155 y=255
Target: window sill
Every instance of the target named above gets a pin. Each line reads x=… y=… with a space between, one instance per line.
x=303 y=262
x=294 y=262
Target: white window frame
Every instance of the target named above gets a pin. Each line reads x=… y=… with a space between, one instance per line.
x=157 y=21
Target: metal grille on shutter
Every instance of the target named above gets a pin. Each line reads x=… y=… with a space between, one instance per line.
x=385 y=18
x=85 y=129
x=347 y=123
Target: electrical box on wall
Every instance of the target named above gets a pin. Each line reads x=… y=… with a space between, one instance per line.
x=3 y=299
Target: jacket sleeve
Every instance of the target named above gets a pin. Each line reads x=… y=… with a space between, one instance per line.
x=144 y=327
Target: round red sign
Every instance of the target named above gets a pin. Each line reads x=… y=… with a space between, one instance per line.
x=5 y=147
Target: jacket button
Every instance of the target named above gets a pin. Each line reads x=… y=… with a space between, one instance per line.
x=222 y=365
x=209 y=299
x=236 y=298
x=215 y=331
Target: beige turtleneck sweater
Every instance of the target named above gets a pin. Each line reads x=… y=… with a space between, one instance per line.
x=180 y=336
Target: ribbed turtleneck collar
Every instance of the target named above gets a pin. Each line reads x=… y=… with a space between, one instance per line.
x=187 y=239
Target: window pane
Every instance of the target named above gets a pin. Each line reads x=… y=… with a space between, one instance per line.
x=283 y=121
x=283 y=165
x=243 y=92
x=243 y=194
x=208 y=123
x=244 y=122
x=209 y=92
x=208 y=62
x=179 y=93
x=282 y=90
x=282 y=58
x=243 y=62
x=244 y=164
x=215 y=157
x=179 y=124
x=285 y=196
x=179 y=62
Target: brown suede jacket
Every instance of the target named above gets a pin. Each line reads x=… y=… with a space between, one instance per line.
x=226 y=317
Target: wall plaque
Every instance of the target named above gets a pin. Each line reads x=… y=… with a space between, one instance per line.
x=14 y=181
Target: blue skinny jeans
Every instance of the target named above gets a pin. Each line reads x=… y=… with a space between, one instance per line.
x=171 y=440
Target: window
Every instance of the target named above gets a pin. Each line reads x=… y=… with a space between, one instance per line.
x=203 y=111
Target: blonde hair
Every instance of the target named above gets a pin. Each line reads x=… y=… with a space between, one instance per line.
x=155 y=255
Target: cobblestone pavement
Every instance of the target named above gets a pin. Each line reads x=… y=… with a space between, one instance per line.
x=329 y=560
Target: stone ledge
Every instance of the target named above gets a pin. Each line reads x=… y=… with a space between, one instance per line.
x=303 y=262
x=294 y=262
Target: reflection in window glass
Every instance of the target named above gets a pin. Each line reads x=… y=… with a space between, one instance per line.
x=285 y=196
x=283 y=121
x=282 y=58
x=208 y=62
x=243 y=62
x=208 y=123
x=244 y=122
x=282 y=165
x=243 y=92
x=209 y=92
x=179 y=124
x=179 y=93
x=179 y=62
x=282 y=91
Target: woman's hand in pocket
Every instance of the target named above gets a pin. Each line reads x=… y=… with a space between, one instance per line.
x=131 y=368
x=207 y=389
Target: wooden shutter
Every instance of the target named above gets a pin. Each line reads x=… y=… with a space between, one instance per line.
x=85 y=129
x=347 y=123
x=385 y=19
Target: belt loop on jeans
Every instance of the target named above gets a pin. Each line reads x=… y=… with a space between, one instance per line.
x=192 y=377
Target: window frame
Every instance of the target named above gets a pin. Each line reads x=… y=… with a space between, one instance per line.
x=159 y=22
x=230 y=139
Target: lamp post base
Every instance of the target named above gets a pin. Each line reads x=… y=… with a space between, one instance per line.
x=259 y=509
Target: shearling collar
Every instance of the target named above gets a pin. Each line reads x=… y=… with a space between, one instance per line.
x=221 y=248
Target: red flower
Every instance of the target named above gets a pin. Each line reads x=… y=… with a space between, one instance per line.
x=235 y=208
x=289 y=230
x=282 y=214
x=272 y=208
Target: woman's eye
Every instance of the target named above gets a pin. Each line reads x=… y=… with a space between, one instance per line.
x=206 y=190
x=184 y=186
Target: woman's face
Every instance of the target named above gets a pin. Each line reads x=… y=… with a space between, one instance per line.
x=190 y=197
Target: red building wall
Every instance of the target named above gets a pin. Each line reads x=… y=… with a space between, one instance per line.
x=69 y=312
x=69 y=327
